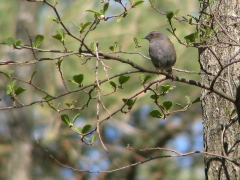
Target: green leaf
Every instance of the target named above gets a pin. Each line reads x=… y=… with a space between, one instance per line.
x=78 y=130
x=111 y=48
x=93 y=139
x=33 y=74
x=38 y=40
x=176 y=12
x=78 y=79
x=59 y=62
x=114 y=47
x=66 y=119
x=154 y=96
x=71 y=104
x=76 y=116
x=152 y=2
x=191 y=38
x=169 y=15
x=76 y=25
x=47 y=98
x=137 y=42
x=19 y=90
x=178 y=104
x=95 y=12
x=11 y=86
x=188 y=99
x=233 y=111
x=93 y=46
x=137 y=3
x=208 y=31
x=129 y=102
x=12 y=89
x=60 y=35
x=86 y=128
x=52 y=18
x=143 y=79
x=119 y=19
x=113 y=84
x=122 y=17
x=9 y=41
x=166 y=88
x=230 y=111
x=169 y=30
x=7 y=73
x=105 y=7
x=123 y=79
x=167 y=105
x=156 y=114
x=84 y=26
x=18 y=43
x=190 y=21
x=146 y=79
x=196 y=100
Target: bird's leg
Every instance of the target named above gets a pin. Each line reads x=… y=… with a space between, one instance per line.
x=159 y=70
x=170 y=72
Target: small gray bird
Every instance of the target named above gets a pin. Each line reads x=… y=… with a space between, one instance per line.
x=161 y=51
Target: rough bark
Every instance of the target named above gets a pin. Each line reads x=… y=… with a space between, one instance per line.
x=221 y=133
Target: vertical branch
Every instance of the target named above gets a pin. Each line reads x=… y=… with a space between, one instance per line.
x=98 y=96
x=61 y=73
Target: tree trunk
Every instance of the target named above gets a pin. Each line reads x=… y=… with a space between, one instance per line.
x=221 y=133
x=21 y=121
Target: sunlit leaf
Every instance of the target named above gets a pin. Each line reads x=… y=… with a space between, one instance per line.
x=52 y=18
x=7 y=73
x=93 y=139
x=60 y=35
x=9 y=41
x=84 y=26
x=188 y=99
x=76 y=116
x=11 y=86
x=166 y=88
x=95 y=12
x=137 y=3
x=78 y=130
x=38 y=40
x=18 y=42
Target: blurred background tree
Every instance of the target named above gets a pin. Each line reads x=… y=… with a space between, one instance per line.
x=22 y=158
